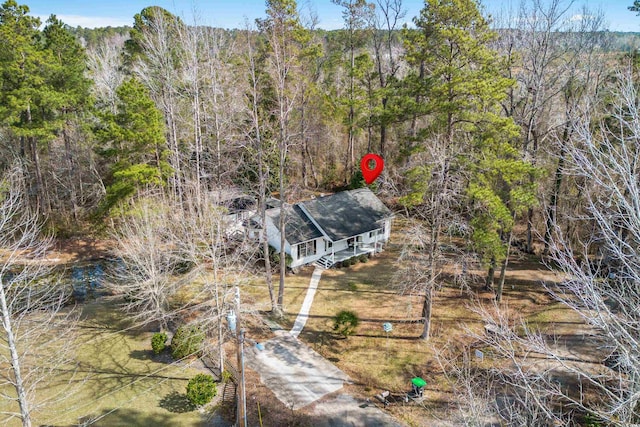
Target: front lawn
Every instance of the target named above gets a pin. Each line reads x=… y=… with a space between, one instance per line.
x=118 y=381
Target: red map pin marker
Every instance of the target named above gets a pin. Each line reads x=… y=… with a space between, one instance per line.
x=369 y=174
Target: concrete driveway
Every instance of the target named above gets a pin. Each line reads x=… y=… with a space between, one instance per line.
x=295 y=373
x=346 y=411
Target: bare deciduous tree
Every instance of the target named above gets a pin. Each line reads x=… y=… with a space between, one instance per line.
x=36 y=330
x=548 y=376
x=148 y=257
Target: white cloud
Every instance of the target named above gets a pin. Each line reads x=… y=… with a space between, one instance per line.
x=90 y=21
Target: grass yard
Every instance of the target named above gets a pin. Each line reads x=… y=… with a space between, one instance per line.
x=118 y=382
x=377 y=362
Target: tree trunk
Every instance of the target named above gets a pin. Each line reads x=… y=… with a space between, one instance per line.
x=41 y=195
x=265 y=242
x=383 y=130
x=552 y=210
x=488 y=284
x=426 y=313
x=281 y=228
x=15 y=359
x=503 y=271
x=72 y=171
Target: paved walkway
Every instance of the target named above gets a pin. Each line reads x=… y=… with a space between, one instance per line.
x=301 y=320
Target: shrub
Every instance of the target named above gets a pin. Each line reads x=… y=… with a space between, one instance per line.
x=158 y=342
x=201 y=389
x=275 y=257
x=363 y=258
x=345 y=323
x=187 y=340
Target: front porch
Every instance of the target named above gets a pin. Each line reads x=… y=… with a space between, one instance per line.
x=329 y=260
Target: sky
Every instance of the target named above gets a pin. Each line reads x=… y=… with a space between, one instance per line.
x=233 y=14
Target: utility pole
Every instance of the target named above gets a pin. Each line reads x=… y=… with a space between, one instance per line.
x=242 y=398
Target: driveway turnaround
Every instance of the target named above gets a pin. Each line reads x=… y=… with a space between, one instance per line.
x=295 y=373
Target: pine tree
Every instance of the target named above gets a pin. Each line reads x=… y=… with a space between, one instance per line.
x=460 y=141
x=133 y=141
x=26 y=103
x=66 y=77
x=287 y=44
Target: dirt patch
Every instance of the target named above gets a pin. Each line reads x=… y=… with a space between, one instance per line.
x=79 y=249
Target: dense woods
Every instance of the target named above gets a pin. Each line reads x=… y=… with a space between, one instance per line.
x=514 y=133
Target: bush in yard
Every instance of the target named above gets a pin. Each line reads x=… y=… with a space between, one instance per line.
x=345 y=323
x=158 y=342
x=201 y=389
x=363 y=258
x=187 y=340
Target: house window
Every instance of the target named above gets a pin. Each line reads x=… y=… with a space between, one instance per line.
x=307 y=249
x=327 y=245
x=377 y=232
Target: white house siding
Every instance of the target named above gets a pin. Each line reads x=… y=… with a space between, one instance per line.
x=273 y=237
x=387 y=229
x=320 y=252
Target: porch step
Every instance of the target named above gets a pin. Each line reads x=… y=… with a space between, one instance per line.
x=324 y=262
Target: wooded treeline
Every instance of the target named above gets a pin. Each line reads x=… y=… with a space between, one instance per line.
x=173 y=105
x=474 y=124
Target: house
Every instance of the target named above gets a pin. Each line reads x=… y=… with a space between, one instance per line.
x=331 y=229
x=239 y=207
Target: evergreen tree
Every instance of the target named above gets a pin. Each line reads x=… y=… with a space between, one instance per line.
x=67 y=79
x=461 y=144
x=42 y=81
x=133 y=141
x=26 y=103
x=356 y=16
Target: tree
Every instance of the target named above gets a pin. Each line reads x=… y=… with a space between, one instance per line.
x=67 y=78
x=261 y=145
x=27 y=102
x=605 y=157
x=133 y=142
x=557 y=64
x=105 y=63
x=155 y=58
x=149 y=260
x=285 y=37
x=457 y=85
x=600 y=274
x=385 y=23
x=356 y=17
x=35 y=330
x=219 y=257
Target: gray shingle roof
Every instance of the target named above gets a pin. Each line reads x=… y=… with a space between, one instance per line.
x=298 y=228
x=348 y=213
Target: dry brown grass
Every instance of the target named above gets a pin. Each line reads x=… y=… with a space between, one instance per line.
x=376 y=362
